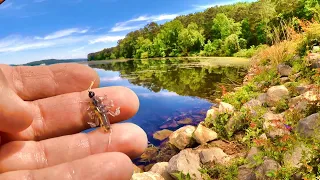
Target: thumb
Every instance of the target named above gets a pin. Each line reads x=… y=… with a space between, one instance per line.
x=14 y=112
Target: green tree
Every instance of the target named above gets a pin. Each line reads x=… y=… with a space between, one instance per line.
x=224 y=27
x=191 y=38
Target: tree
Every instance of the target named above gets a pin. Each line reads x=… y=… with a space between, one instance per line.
x=191 y=38
x=224 y=27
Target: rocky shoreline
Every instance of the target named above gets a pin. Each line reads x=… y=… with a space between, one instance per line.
x=267 y=129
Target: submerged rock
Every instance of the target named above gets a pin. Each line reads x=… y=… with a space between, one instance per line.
x=309 y=127
x=187 y=161
x=215 y=155
x=182 y=137
x=162 y=169
x=185 y=121
x=276 y=94
x=162 y=135
x=203 y=134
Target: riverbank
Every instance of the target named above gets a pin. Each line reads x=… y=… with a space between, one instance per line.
x=266 y=129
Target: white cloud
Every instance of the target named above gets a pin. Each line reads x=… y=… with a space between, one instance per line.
x=104 y=39
x=38 y=1
x=206 y=6
x=130 y=24
x=63 y=33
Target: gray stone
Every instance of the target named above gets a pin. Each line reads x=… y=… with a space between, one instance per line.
x=274 y=126
x=276 y=94
x=212 y=114
x=225 y=108
x=203 y=134
x=252 y=105
x=214 y=154
x=294 y=157
x=162 y=169
x=284 y=79
x=268 y=166
x=284 y=70
x=254 y=151
x=245 y=173
x=147 y=176
x=262 y=98
x=187 y=161
x=309 y=127
x=182 y=137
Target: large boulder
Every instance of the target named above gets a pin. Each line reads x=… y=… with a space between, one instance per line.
x=296 y=156
x=186 y=162
x=203 y=134
x=182 y=137
x=226 y=108
x=276 y=94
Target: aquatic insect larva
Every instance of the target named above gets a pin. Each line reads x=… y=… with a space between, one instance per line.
x=98 y=111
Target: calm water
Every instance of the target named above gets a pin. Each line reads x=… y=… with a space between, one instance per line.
x=172 y=90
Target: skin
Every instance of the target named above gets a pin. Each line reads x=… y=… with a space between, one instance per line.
x=43 y=111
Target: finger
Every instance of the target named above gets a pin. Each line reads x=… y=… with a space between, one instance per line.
x=67 y=114
x=111 y=166
x=28 y=155
x=37 y=82
x=15 y=114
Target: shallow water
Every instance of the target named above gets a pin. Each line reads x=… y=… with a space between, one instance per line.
x=172 y=90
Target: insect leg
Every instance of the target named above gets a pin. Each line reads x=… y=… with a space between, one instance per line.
x=116 y=113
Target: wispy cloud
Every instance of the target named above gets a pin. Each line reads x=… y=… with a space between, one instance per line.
x=63 y=33
x=206 y=6
x=141 y=20
x=6 y=5
x=61 y=38
x=106 y=38
x=38 y=1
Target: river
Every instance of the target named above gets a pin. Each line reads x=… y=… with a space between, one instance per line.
x=172 y=92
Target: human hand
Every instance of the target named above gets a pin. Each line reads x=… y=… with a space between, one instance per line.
x=42 y=114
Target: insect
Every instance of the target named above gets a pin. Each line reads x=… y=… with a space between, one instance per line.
x=99 y=111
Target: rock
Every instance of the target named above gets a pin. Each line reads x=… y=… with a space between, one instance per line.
x=312 y=95
x=203 y=134
x=214 y=154
x=245 y=173
x=294 y=157
x=314 y=57
x=149 y=153
x=212 y=114
x=225 y=108
x=268 y=166
x=136 y=169
x=284 y=79
x=316 y=49
x=276 y=94
x=284 y=70
x=302 y=89
x=262 y=98
x=315 y=64
x=251 y=156
x=147 y=176
x=185 y=121
x=182 y=137
x=162 y=135
x=274 y=126
x=187 y=161
x=263 y=136
x=309 y=127
x=252 y=105
x=162 y=169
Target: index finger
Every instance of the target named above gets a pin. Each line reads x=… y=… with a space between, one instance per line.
x=37 y=82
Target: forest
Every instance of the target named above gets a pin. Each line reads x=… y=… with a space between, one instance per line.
x=238 y=30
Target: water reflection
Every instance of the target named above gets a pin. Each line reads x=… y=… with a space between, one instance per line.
x=170 y=91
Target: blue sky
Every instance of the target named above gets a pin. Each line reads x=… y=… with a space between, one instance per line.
x=41 y=29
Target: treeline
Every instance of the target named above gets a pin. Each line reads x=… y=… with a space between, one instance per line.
x=230 y=30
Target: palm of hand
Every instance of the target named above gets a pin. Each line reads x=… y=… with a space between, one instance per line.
x=41 y=118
